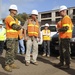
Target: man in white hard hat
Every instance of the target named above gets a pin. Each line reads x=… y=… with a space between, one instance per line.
x=31 y=34
x=12 y=28
x=46 y=40
x=2 y=36
x=65 y=31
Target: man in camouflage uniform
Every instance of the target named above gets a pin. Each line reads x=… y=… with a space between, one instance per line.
x=12 y=28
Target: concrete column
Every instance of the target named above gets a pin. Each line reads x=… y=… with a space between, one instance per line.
x=53 y=16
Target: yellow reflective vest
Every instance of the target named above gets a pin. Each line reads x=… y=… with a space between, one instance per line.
x=2 y=34
x=46 y=35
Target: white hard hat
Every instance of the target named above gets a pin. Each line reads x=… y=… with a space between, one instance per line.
x=1 y=22
x=35 y=12
x=63 y=7
x=47 y=24
x=14 y=7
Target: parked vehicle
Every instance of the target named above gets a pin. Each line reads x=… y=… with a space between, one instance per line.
x=72 y=42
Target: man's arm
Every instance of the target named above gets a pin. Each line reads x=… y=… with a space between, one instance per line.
x=25 y=30
x=63 y=29
x=16 y=27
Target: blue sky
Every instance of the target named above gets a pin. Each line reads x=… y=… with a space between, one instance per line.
x=40 y=5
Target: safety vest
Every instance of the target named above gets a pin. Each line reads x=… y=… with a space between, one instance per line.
x=21 y=34
x=33 y=29
x=45 y=36
x=3 y=34
x=66 y=21
x=10 y=33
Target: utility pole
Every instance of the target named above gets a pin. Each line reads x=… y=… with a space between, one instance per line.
x=0 y=9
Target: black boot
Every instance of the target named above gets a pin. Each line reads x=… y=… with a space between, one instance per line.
x=65 y=66
x=59 y=64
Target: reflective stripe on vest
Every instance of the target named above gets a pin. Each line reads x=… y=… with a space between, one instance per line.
x=11 y=30
x=13 y=22
x=33 y=30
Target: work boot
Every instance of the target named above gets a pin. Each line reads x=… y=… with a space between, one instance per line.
x=35 y=63
x=27 y=63
x=59 y=64
x=65 y=66
x=14 y=66
x=44 y=54
x=48 y=55
x=8 y=68
x=58 y=57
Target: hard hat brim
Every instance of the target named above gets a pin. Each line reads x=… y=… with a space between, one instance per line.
x=12 y=9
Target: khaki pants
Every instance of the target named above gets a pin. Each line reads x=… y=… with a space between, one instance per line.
x=29 y=43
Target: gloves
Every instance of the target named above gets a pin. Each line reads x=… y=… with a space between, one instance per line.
x=63 y=29
x=16 y=27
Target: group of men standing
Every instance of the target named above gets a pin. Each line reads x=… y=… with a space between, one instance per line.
x=31 y=33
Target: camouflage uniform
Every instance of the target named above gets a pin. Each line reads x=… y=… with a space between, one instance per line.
x=12 y=46
x=11 y=50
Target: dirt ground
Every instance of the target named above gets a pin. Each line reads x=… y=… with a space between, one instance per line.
x=45 y=67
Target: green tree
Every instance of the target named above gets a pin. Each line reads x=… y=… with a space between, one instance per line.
x=22 y=17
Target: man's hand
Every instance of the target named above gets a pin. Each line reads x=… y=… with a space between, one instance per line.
x=38 y=39
x=26 y=38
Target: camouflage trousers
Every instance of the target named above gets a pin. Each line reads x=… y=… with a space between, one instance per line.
x=65 y=51
x=12 y=47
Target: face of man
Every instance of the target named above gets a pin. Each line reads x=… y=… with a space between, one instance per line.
x=34 y=16
x=14 y=12
x=46 y=27
x=63 y=13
